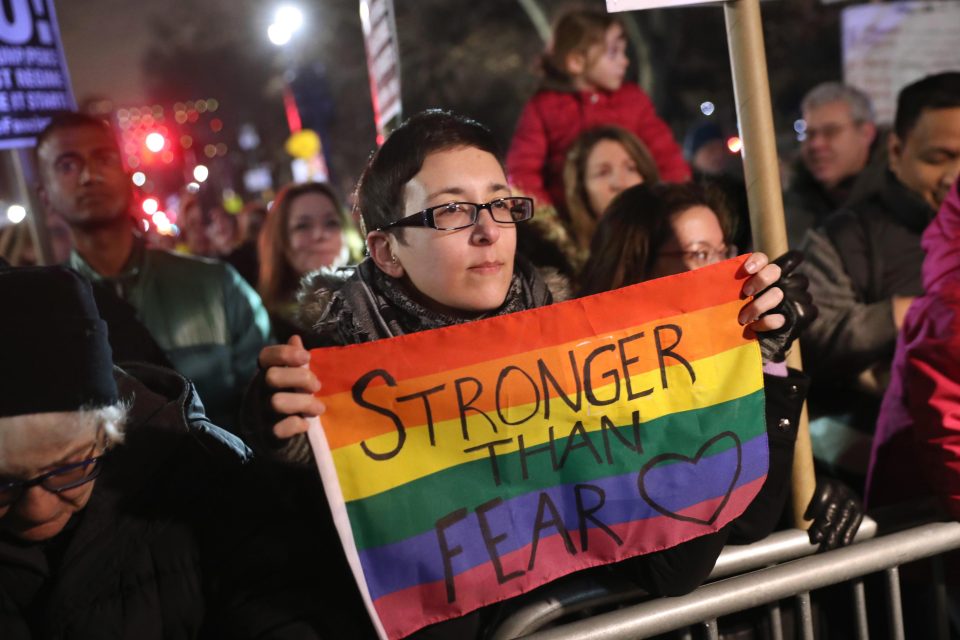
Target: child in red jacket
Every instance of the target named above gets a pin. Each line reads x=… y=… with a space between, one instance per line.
x=583 y=87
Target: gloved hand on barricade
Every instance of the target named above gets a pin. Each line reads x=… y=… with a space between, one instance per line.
x=797 y=307
x=836 y=512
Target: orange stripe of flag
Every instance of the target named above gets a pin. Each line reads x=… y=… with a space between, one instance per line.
x=699 y=340
x=465 y=345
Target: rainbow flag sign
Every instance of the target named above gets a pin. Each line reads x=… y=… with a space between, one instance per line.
x=473 y=463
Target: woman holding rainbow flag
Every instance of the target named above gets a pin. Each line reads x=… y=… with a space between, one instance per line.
x=438 y=258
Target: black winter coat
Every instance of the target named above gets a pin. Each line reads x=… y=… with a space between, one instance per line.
x=674 y=571
x=175 y=541
x=857 y=262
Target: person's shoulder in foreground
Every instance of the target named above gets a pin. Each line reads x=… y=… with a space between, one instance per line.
x=123 y=511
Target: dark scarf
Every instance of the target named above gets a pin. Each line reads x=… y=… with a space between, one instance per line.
x=371 y=305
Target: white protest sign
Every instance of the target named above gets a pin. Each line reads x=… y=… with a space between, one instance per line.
x=383 y=60
x=888 y=46
x=34 y=82
x=636 y=5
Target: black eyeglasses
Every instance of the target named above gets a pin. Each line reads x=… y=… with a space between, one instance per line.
x=55 y=481
x=459 y=215
x=704 y=256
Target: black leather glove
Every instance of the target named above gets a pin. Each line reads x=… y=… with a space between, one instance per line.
x=836 y=512
x=797 y=308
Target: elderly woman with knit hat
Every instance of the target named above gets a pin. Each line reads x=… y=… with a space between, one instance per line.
x=123 y=512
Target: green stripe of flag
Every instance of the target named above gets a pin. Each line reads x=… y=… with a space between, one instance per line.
x=415 y=507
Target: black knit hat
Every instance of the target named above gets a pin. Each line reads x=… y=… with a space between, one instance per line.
x=54 y=353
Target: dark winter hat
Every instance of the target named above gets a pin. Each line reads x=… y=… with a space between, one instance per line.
x=699 y=136
x=54 y=353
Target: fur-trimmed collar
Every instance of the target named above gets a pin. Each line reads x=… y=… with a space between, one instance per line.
x=315 y=296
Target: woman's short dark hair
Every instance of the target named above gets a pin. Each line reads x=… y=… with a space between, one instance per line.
x=393 y=165
x=634 y=229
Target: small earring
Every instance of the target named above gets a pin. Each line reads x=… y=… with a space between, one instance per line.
x=393 y=259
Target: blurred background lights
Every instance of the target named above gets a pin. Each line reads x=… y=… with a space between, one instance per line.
x=139 y=178
x=150 y=206
x=200 y=173
x=155 y=142
x=16 y=213
x=288 y=17
x=735 y=144
x=162 y=223
x=707 y=108
x=800 y=126
x=286 y=21
x=278 y=35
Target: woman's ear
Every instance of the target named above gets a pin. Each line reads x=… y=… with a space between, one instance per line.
x=380 y=246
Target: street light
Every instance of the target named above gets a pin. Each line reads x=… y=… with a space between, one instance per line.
x=290 y=17
x=278 y=35
x=287 y=20
x=155 y=142
x=16 y=213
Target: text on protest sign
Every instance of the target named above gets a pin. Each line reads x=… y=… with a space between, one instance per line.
x=472 y=463
x=614 y=6
x=383 y=60
x=34 y=82
x=888 y=46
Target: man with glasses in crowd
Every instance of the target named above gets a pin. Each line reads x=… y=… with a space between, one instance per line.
x=838 y=140
x=123 y=512
x=864 y=267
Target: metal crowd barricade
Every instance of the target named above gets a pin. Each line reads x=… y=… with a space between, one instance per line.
x=763 y=584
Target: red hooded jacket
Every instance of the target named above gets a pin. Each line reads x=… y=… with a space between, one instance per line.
x=916 y=449
x=553 y=119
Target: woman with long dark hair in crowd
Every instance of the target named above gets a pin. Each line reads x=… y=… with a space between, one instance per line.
x=661 y=230
x=601 y=163
x=306 y=229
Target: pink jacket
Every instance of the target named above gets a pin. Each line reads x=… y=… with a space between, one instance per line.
x=553 y=119
x=916 y=449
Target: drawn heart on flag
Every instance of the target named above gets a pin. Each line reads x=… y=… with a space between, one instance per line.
x=698 y=478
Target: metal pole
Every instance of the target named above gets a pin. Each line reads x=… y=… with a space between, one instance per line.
x=711 y=630
x=775 y=620
x=940 y=604
x=805 y=613
x=860 y=610
x=894 y=607
x=760 y=587
x=748 y=62
x=538 y=17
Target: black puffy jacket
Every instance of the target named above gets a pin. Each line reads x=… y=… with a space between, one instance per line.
x=175 y=542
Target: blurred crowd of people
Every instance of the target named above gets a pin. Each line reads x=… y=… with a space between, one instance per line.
x=176 y=494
